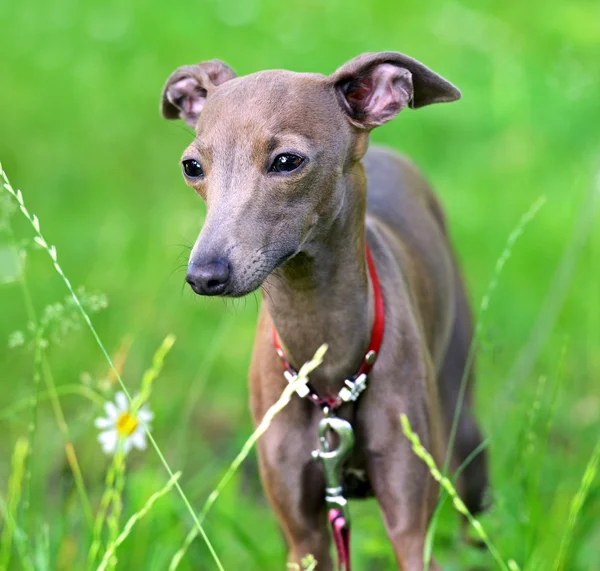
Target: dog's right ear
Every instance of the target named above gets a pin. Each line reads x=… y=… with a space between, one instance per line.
x=188 y=87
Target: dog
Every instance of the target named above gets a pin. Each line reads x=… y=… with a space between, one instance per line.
x=296 y=204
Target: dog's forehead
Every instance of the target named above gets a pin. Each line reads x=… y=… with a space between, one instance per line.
x=269 y=98
x=273 y=83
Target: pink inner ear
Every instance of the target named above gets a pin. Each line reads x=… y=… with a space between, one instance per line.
x=188 y=96
x=390 y=92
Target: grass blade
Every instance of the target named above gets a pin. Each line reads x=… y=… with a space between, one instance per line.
x=135 y=518
x=447 y=485
x=284 y=399
x=483 y=308
x=15 y=488
x=485 y=303
x=576 y=504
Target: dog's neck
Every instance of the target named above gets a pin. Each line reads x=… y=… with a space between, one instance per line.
x=323 y=295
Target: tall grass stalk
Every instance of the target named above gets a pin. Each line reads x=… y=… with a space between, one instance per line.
x=483 y=308
x=51 y=250
x=276 y=408
x=430 y=536
x=37 y=366
x=152 y=373
x=583 y=227
x=589 y=475
x=116 y=502
x=70 y=453
x=20 y=539
x=15 y=484
x=105 y=503
x=447 y=485
x=134 y=519
x=22 y=404
x=40 y=358
x=117 y=484
x=536 y=461
x=308 y=563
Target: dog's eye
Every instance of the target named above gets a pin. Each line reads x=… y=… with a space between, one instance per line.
x=286 y=163
x=192 y=168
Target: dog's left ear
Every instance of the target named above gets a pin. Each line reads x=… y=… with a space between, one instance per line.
x=374 y=87
x=187 y=88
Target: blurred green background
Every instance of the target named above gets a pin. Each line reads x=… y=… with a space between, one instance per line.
x=81 y=135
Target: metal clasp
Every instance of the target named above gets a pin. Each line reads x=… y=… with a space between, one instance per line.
x=353 y=389
x=332 y=459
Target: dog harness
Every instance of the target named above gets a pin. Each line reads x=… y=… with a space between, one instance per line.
x=332 y=459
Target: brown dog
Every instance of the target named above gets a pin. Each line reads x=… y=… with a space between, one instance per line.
x=281 y=160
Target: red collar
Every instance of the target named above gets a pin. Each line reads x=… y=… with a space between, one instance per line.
x=357 y=383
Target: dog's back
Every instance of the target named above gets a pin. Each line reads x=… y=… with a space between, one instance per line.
x=403 y=209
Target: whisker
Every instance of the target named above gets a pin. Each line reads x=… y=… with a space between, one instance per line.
x=180 y=126
x=178 y=269
x=267 y=294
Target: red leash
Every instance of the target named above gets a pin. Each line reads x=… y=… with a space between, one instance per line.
x=341 y=536
x=353 y=387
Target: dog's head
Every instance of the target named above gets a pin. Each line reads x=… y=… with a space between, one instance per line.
x=273 y=152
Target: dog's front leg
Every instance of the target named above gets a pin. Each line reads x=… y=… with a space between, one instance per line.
x=402 y=483
x=295 y=488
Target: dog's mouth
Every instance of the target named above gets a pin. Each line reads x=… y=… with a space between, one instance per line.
x=285 y=258
x=258 y=277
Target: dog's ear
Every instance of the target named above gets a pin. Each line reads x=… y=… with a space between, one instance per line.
x=188 y=87
x=374 y=87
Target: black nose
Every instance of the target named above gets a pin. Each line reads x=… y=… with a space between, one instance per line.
x=208 y=278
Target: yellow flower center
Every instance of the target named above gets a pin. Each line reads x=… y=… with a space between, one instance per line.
x=126 y=424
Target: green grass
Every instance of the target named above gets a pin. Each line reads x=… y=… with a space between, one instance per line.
x=80 y=133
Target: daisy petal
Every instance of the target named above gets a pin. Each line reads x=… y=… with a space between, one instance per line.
x=122 y=402
x=108 y=440
x=104 y=423
x=111 y=410
x=138 y=439
x=145 y=414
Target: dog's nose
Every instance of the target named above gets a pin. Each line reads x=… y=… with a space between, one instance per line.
x=208 y=278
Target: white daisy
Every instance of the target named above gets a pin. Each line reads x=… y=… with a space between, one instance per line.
x=120 y=424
